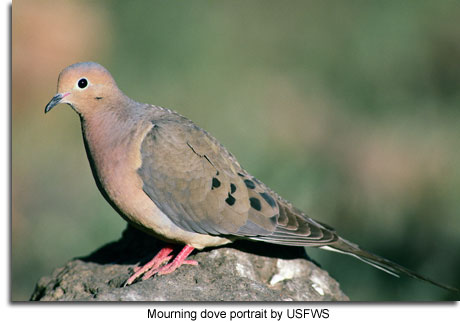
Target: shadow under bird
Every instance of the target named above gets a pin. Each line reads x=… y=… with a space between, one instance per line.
x=168 y=177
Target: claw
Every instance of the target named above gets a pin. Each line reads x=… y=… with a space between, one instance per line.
x=154 y=266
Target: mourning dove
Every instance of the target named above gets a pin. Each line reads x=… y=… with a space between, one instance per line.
x=171 y=179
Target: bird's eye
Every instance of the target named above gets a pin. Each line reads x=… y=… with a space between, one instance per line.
x=82 y=83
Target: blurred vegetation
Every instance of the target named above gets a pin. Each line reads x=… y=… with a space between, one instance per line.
x=348 y=109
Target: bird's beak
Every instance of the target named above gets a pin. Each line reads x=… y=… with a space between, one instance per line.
x=55 y=101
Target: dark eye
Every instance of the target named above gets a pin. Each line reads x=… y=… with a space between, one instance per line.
x=82 y=83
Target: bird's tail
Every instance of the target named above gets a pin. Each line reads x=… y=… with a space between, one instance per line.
x=345 y=247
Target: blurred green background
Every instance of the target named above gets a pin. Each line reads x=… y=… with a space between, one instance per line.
x=349 y=109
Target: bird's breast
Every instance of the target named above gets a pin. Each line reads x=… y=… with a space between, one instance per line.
x=114 y=162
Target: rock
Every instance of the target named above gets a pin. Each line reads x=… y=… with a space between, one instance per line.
x=243 y=271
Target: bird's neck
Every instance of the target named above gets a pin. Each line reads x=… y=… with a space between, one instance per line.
x=111 y=124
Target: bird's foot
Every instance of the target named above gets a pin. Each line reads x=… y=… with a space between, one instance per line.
x=178 y=261
x=160 y=258
x=154 y=266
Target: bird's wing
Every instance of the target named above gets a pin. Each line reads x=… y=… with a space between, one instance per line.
x=201 y=187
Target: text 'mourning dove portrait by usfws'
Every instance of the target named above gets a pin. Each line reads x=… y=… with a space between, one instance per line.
x=173 y=180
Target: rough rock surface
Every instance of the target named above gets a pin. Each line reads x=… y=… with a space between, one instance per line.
x=244 y=271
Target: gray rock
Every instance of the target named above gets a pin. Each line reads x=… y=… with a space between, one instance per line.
x=244 y=271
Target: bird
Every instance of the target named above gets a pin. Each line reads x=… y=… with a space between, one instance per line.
x=171 y=179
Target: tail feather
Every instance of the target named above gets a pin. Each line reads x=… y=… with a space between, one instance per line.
x=345 y=247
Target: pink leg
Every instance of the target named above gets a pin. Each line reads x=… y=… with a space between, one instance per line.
x=154 y=266
x=160 y=258
x=179 y=260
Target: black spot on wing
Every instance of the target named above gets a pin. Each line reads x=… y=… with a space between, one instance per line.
x=230 y=200
x=249 y=184
x=268 y=199
x=215 y=183
x=232 y=188
x=274 y=219
x=255 y=203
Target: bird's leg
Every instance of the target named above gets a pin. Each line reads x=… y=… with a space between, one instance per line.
x=160 y=258
x=154 y=266
x=179 y=260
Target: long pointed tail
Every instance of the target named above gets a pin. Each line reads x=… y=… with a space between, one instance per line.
x=345 y=247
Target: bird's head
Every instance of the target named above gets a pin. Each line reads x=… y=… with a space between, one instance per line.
x=85 y=87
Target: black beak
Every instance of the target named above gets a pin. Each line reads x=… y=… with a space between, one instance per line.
x=54 y=101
